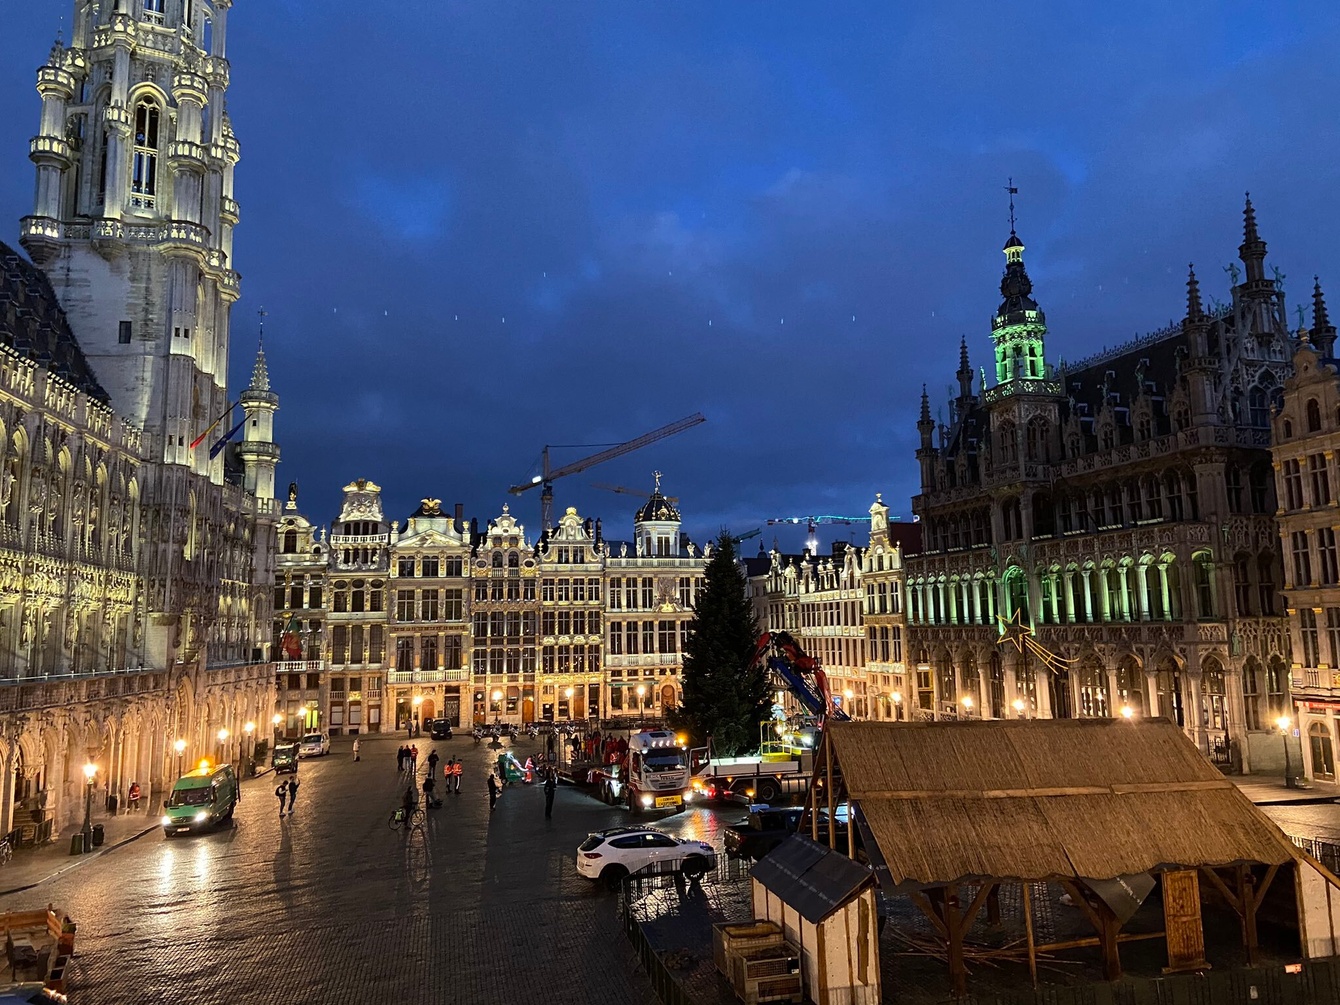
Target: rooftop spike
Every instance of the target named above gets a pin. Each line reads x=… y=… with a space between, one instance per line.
x=925 y=405
x=1319 y=319
x=1249 y=234
x=963 y=354
x=260 y=374
x=1194 y=310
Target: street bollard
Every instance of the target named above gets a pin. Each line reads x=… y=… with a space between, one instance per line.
x=76 y=844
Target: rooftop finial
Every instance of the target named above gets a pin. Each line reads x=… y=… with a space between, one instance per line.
x=1194 y=310
x=1013 y=191
x=1319 y=319
x=657 y=476
x=1249 y=234
x=263 y=314
x=925 y=405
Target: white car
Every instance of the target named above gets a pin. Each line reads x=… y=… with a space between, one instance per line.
x=314 y=745
x=611 y=855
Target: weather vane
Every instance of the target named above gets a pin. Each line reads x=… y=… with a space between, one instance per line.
x=1010 y=188
x=263 y=315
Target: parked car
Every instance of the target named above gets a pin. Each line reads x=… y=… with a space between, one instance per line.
x=285 y=758
x=314 y=745
x=440 y=729
x=762 y=831
x=30 y=992
x=200 y=799
x=610 y=855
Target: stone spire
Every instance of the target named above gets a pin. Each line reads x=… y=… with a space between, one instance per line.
x=964 y=373
x=1323 y=332
x=1252 y=251
x=1194 y=310
x=260 y=375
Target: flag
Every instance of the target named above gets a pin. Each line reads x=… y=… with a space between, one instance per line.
x=291 y=641
x=210 y=428
x=219 y=445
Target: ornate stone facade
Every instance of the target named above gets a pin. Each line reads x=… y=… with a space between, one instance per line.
x=136 y=561
x=1122 y=507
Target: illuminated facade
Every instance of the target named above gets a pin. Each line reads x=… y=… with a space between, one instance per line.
x=572 y=588
x=1307 y=440
x=138 y=562
x=1123 y=507
x=891 y=689
x=503 y=617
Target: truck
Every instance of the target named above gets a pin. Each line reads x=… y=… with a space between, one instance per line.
x=653 y=775
x=777 y=772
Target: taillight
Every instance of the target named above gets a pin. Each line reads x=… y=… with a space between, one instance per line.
x=590 y=854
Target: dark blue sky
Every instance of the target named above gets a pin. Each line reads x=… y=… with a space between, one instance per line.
x=480 y=227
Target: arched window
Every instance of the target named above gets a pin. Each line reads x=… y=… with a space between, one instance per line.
x=1313 y=416
x=1037 y=439
x=1093 y=689
x=1258 y=408
x=1323 y=751
x=290 y=542
x=1204 y=581
x=144 y=178
x=1288 y=428
x=1009 y=450
x=497 y=560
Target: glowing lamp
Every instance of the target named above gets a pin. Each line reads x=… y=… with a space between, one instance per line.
x=179 y=746
x=967 y=701
x=278 y=719
x=897 y=697
x=1018 y=704
x=90 y=770
x=223 y=735
x=249 y=728
x=1283 y=722
x=1127 y=712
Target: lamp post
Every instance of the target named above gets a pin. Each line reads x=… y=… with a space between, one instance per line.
x=418 y=700
x=641 y=703
x=897 y=705
x=568 y=694
x=223 y=735
x=1283 y=722
x=180 y=747
x=497 y=707
x=90 y=772
x=1127 y=712
x=248 y=728
x=277 y=721
x=967 y=706
x=1018 y=705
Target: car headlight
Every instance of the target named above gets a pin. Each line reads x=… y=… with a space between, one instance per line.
x=167 y=821
x=201 y=817
x=647 y=800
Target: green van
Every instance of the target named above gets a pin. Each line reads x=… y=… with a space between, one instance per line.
x=201 y=799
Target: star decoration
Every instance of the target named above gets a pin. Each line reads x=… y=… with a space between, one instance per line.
x=1013 y=631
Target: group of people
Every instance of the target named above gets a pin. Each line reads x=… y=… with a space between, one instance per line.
x=287 y=790
x=548 y=779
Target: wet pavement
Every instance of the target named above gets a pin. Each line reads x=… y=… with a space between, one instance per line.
x=331 y=906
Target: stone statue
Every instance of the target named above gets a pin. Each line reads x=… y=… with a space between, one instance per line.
x=293 y=492
x=1232 y=269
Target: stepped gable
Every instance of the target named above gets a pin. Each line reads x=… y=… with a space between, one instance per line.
x=33 y=324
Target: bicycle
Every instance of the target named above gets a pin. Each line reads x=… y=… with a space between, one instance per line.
x=417 y=818
x=6 y=851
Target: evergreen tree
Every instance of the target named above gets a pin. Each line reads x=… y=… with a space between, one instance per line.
x=724 y=697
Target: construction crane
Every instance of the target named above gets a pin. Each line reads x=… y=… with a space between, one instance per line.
x=747 y=535
x=811 y=538
x=548 y=475
x=624 y=491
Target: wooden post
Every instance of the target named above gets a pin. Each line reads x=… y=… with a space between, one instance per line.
x=1028 y=932
x=993 y=906
x=1105 y=923
x=958 y=971
x=828 y=784
x=1246 y=899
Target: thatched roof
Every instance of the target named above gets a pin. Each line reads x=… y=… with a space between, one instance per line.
x=1044 y=799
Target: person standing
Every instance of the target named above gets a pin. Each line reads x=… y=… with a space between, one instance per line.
x=292 y=793
x=356 y=757
x=409 y=730
x=432 y=762
x=133 y=797
x=282 y=792
x=413 y=759
x=400 y=758
x=456 y=768
x=493 y=791
x=428 y=786
x=550 y=784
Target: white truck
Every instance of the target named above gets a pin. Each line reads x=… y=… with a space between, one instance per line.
x=653 y=775
x=776 y=773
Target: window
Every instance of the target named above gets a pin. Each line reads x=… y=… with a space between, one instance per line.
x=1233 y=482
x=1307 y=626
x=1321 y=482
x=1329 y=560
x=453 y=605
x=1293 y=484
x=1302 y=561
x=1313 y=416
x=630 y=638
x=1204 y=579
x=404 y=605
x=153 y=11
x=123 y=333
x=429 y=608
x=1265 y=575
x=144 y=177
x=451 y=652
x=616 y=594
x=405 y=567
x=1333 y=634
x=564 y=591
x=453 y=567
x=548 y=623
x=648 y=636
x=666 y=631
x=648 y=594
x=616 y=638
x=430 y=567
x=428 y=653
x=1258 y=408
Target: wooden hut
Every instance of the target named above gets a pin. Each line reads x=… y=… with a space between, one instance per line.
x=825 y=905
x=949 y=811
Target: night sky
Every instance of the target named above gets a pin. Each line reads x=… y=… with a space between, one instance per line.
x=485 y=225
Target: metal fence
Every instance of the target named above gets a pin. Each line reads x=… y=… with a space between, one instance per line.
x=1325 y=852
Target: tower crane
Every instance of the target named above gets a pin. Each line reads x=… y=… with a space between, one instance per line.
x=811 y=538
x=548 y=475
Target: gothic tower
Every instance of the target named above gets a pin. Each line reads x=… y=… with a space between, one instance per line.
x=1019 y=327
x=134 y=210
x=259 y=453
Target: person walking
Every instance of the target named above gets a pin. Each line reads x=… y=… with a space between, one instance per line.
x=428 y=786
x=292 y=793
x=413 y=759
x=456 y=768
x=407 y=804
x=550 y=784
x=432 y=762
x=133 y=797
x=400 y=758
x=493 y=791
x=409 y=730
x=282 y=792
x=356 y=757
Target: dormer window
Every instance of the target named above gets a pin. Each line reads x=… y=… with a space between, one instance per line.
x=144 y=179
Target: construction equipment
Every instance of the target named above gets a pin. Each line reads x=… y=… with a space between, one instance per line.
x=548 y=475
x=811 y=538
x=624 y=491
x=747 y=535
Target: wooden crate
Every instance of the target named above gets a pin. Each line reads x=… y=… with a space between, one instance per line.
x=762 y=963
x=736 y=936
x=774 y=989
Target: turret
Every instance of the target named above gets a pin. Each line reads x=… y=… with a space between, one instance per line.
x=1323 y=332
x=656 y=525
x=926 y=452
x=964 y=373
x=1252 y=252
x=1019 y=328
x=260 y=454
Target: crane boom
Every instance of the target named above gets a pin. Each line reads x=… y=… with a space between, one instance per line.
x=625 y=491
x=815 y=520
x=546 y=479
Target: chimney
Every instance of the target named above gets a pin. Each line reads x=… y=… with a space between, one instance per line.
x=458 y=521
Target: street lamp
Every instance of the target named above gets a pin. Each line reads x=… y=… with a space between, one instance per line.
x=897 y=704
x=1127 y=712
x=90 y=772
x=967 y=706
x=641 y=694
x=248 y=728
x=568 y=694
x=180 y=747
x=418 y=700
x=223 y=735
x=277 y=721
x=497 y=708
x=1283 y=722
x=1018 y=705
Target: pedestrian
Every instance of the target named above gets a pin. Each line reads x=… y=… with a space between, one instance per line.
x=413 y=759
x=409 y=730
x=407 y=803
x=292 y=793
x=493 y=791
x=282 y=792
x=133 y=796
x=432 y=762
x=550 y=784
x=356 y=757
x=400 y=758
x=549 y=743
x=456 y=768
x=428 y=786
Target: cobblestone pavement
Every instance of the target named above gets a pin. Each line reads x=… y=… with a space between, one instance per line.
x=330 y=906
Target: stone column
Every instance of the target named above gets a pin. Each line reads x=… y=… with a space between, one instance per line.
x=1124 y=599
x=1070 y=596
x=1142 y=592
x=1163 y=591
